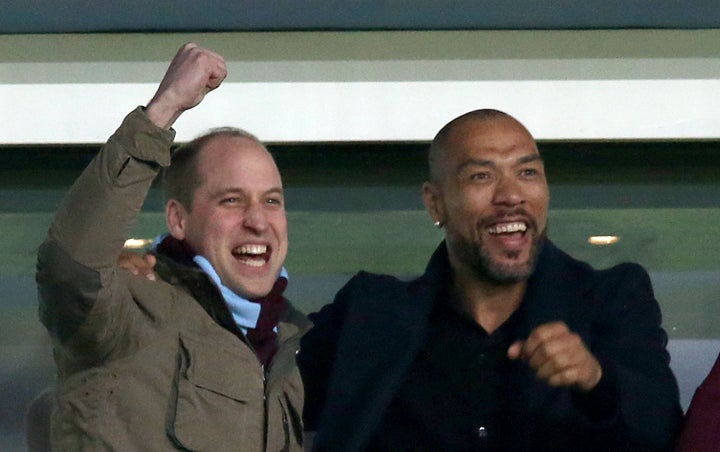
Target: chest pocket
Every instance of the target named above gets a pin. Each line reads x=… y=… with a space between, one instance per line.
x=218 y=397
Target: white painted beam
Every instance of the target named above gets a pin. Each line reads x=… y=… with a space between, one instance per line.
x=375 y=111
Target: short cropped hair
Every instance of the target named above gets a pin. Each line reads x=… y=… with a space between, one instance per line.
x=181 y=179
x=439 y=142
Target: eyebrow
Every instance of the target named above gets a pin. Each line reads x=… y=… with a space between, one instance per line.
x=474 y=162
x=275 y=190
x=530 y=158
x=489 y=163
x=240 y=191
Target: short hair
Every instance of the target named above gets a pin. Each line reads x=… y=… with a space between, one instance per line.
x=440 y=141
x=181 y=179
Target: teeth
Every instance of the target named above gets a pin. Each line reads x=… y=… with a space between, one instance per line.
x=508 y=228
x=251 y=255
x=252 y=249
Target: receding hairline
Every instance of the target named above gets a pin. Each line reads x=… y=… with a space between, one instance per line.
x=248 y=144
x=484 y=115
x=180 y=180
x=231 y=134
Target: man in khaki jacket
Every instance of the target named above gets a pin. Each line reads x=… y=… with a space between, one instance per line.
x=205 y=358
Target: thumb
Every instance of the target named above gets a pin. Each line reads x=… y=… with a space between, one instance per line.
x=150 y=259
x=515 y=350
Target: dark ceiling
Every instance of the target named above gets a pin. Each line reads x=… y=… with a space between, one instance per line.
x=80 y=16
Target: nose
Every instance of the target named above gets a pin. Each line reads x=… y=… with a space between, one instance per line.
x=255 y=218
x=508 y=191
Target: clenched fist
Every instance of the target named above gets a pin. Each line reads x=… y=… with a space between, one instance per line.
x=192 y=74
x=558 y=356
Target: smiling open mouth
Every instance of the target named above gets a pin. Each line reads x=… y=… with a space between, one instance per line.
x=252 y=255
x=507 y=228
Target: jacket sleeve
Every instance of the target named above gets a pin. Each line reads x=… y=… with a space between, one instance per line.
x=701 y=432
x=82 y=299
x=317 y=355
x=630 y=344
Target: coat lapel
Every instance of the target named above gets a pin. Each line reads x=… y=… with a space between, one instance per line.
x=383 y=330
x=559 y=290
x=385 y=326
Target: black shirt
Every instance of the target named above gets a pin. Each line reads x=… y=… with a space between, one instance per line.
x=455 y=395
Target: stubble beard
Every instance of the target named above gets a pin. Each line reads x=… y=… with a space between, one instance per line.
x=486 y=268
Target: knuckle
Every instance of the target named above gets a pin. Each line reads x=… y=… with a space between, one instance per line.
x=570 y=375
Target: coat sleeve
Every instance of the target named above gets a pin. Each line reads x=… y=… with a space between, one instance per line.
x=701 y=432
x=82 y=300
x=317 y=355
x=630 y=344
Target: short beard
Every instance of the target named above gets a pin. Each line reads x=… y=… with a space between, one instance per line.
x=479 y=260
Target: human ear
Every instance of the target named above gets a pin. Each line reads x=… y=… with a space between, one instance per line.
x=433 y=202
x=175 y=217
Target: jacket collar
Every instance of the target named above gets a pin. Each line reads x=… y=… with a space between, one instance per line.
x=555 y=283
x=175 y=265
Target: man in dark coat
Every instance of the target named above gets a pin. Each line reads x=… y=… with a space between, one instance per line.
x=505 y=343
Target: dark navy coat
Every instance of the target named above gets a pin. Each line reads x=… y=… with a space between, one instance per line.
x=359 y=351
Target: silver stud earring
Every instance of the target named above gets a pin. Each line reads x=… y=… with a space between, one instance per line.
x=438 y=224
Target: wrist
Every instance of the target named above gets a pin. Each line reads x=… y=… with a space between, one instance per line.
x=161 y=115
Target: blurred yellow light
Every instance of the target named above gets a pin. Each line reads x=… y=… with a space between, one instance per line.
x=601 y=240
x=137 y=243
